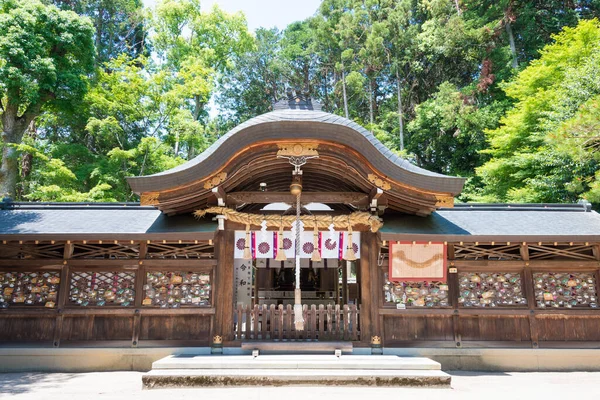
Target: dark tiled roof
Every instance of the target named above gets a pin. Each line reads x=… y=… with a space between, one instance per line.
x=101 y=221
x=293 y=124
x=466 y=222
x=489 y=222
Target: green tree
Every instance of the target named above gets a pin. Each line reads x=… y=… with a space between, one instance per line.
x=257 y=80
x=188 y=38
x=45 y=56
x=531 y=159
x=447 y=133
x=119 y=26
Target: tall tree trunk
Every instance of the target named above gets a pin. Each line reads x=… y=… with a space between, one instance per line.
x=513 y=47
x=198 y=106
x=325 y=94
x=99 y=28
x=306 y=73
x=27 y=158
x=12 y=133
x=176 y=149
x=344 y=92
x=457 y=7
x=13 y=129
x=371 y=103
x=8 y=171
x=400 y=114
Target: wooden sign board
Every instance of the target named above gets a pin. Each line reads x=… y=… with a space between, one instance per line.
x=418 y=261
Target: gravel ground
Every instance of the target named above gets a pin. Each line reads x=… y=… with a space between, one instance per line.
x=465 y=386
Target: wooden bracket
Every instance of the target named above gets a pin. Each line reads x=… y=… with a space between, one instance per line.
x=220 y=195
x=373 y=198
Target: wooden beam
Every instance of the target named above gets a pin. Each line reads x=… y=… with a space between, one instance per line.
x=355 y=198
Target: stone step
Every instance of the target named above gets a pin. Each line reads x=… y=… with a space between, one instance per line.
x=287 y=377
x=296 y=362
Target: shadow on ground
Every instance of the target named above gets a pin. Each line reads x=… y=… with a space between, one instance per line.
x=17 y=383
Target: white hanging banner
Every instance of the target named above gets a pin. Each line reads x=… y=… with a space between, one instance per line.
x=240 y=243
x=330 y=245
x=264 y=245
x=306 y=244
x=355 y=243
x=289 y=245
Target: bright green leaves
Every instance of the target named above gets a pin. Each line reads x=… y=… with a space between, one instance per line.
x=46 y=56
x=446 y=134
x=46 y=53
x=543 y=150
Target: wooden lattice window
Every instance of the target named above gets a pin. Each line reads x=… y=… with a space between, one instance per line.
x=31 y=250
x=102 y=288
x=29 y=289
x=484 y=289
x=545 y=251
x=478 y=251
x=177 y=289
x=180 y=249
x=110 y=251
x=565 y=289
x=416 y=294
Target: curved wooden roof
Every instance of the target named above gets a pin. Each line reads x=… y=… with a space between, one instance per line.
x=351 y=160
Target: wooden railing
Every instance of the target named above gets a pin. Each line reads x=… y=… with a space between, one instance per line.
x=263 y=322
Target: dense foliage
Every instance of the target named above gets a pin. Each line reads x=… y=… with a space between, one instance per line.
x=503 y=92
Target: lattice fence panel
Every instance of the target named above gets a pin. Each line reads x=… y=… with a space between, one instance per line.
x=565 y=289
x=483 y=289
x=102 y=288
x=29 y=289
x=416 y=294
x=176 y=289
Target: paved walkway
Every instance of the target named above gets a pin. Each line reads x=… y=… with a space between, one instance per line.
x=465 y=386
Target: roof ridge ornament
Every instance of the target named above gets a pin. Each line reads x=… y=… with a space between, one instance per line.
x=297 y=99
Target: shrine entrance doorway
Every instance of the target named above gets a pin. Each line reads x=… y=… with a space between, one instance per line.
x=264 y=292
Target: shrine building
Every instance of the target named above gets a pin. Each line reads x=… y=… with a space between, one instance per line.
x=299 y=226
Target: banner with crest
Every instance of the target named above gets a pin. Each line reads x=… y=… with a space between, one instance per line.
x=264 y=244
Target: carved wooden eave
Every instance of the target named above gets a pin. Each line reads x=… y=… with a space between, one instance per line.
x=350 y=161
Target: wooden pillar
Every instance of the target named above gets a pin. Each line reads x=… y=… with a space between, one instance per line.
x=344 y=265
x=453 y=294
x=140 y=278
x=370 y=293
x=376 y=285
x=223 y=299
x=529 y=291
x=62 y=293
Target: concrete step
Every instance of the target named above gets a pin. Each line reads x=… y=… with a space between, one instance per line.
x=156 y=379
x=296 y=362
